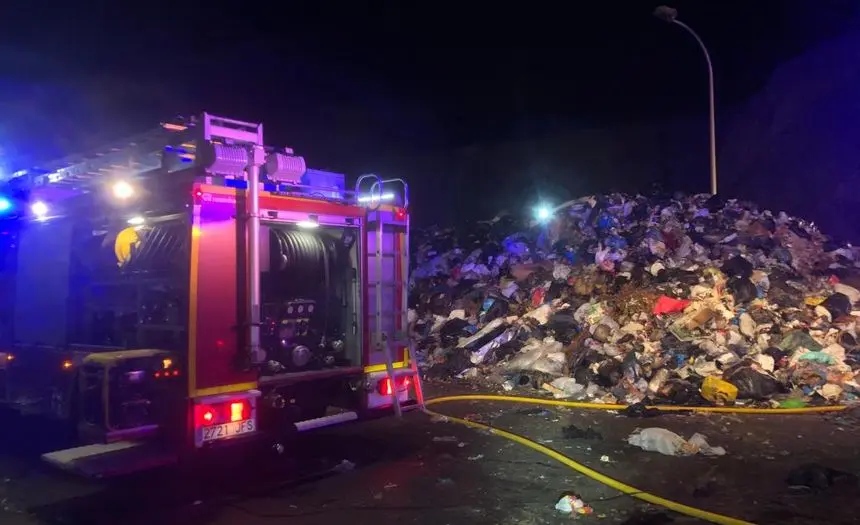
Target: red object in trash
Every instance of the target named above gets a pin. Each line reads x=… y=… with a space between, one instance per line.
x=538 y=297
x=669 y=305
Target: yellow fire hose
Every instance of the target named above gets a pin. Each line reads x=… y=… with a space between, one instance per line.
x=597 y=476
x=664 y=408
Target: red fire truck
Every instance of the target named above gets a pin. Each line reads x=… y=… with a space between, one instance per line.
x=192 y=288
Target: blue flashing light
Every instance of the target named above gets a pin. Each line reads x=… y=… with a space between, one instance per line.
x=235 y=183
x=271 y=187
x=240 y=184
x=5 y=205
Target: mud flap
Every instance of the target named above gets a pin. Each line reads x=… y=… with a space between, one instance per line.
x=110 y=460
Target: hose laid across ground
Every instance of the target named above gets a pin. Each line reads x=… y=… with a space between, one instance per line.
x=597 y=476
x=664 y=408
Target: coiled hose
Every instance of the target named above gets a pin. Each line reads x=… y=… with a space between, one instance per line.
x=306 y=258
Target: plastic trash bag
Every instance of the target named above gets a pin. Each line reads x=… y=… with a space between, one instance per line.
x=669 y=305
x=718 y=391
x=573 y=504
x=669 y=443
x=751 y=384
x=565 y=387
x=541 y=356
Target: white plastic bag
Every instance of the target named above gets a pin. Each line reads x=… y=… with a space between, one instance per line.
x=669 y=443
x=565 y=387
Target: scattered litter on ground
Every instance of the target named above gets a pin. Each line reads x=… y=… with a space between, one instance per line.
x=344 y=466
x=641 y=410
x=574 y=432
x=573 y=504
x=816 y=478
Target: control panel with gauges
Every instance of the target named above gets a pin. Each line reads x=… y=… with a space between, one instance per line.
x=296 y=339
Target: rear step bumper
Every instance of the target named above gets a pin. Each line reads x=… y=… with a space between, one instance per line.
x=127 y=457
x=111 y=459
x=346 y=417
x=326 y=421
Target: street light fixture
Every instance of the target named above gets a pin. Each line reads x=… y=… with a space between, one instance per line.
x=670 y=15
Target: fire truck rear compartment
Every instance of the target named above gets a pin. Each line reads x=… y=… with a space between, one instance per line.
x=310 y=290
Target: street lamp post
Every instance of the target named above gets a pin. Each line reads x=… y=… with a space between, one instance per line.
x=670 y=15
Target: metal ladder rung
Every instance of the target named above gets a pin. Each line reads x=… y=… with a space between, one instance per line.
x=386 y=284
x=402 y=340
x=388 y=314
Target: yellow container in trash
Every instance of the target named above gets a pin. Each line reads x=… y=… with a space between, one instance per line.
x=718 y=391
x=814 y=300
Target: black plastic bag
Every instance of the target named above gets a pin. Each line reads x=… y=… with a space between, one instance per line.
x=752 y=384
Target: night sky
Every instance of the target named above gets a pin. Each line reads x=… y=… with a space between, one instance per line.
x=346 y=84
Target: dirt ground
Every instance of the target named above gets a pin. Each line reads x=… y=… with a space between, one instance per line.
x=420 y=471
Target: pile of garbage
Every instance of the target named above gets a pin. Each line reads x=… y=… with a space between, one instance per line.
x=628 y=299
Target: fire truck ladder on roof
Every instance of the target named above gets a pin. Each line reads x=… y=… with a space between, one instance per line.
x=139 y=153
x=130 y=156
x=399 y=338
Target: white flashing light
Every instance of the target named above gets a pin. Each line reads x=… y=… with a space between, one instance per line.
x=311 y=222
x=374 y=197
x=136 y=221
x=122 y=190
x=39 y=209
x=543 y=213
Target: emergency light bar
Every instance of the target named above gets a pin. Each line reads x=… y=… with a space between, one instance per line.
x=371 y=198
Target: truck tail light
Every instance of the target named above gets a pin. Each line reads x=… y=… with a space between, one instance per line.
x=205 y=415
x=385 y=386
x=239 y=411
x=400 y=214
x=218 y=413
